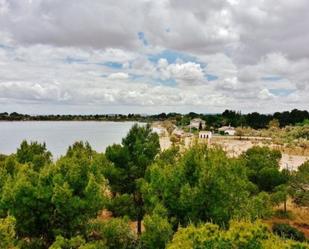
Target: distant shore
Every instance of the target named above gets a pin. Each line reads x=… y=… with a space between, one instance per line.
x=118 y=121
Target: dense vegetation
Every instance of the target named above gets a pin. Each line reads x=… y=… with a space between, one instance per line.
x=239 y=235
x=254 y=120
x=198 y=198
x=292 y=138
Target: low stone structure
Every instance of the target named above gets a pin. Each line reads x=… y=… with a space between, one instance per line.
x=197 y=123
x=228 y=130
x=205 y=134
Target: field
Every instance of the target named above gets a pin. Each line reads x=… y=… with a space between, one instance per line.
x=292 y=156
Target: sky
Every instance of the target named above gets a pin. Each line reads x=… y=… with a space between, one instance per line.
x=145 y=56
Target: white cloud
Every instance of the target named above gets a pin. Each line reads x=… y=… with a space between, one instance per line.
x=56 y=53
x=188 y=73
x=264 y=94
x=118 y=76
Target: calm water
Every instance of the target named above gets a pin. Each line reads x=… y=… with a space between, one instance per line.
x=59 y=135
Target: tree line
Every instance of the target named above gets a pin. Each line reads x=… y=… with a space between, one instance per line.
x=14 y=116
x=254 y=120
x=198 y=198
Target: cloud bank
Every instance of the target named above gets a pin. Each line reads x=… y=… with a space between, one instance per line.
x=153 y=56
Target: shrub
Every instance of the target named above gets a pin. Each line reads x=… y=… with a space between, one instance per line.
x=240 y=235
x=116 y=233
x=7 y=233
x=281 y=214
x=75 y=243
x=158 y=231
x=287 y=231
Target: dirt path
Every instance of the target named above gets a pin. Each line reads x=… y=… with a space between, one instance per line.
x=292 y=162
x=237 y=147
x=165 y=142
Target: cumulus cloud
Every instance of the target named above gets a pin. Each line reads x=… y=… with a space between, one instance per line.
x=118 y=76
x=264 y=94
x=240 y=54
x=188 y=73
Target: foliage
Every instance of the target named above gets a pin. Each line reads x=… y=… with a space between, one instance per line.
x=34 y=153
x=300 y=185
x=287 y=231
x=56 y=200
x=7 y=233
x=281 y=195
x=274 y=124
x=239 y=132
x=201 y=185
x=75 y=243
x=115 y=233
x=258 y=158
x=241 y=234
x=205 y=236
x=129 y=164
x=263 y=168
x=158 y=231
x=46 y=204
x=121 y=205
x=259 y=206
x=303 y=123
x=254 y=120
x=268 y=178
x=110 y=234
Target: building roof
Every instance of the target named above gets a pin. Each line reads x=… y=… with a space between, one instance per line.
x=225 y=128
x=205 y=132
x=197 y=120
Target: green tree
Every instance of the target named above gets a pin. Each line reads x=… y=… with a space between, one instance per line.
x=75 y=243
x=259 y=206
x=115 y=233
x=59 y=199
x=300 y=185
x=268 y=178
x=201 y=184
x=7 y=233
x=280 y=196
x=158 y=230
x=33 y=153
x=263 y=168
x=130 y=162
x=241 y=234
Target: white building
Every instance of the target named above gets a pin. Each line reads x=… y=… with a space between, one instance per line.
x=228 y=130
x=197 y=123
x=205 y=135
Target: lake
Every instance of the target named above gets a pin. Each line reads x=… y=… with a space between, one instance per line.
x=58 y=135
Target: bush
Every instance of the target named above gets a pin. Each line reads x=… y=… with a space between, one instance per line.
x=283 y=215
x=7 y=233
x=158 y=231
x=75 y=243
x=287 y=231
x=115 y=233
x=241 y=234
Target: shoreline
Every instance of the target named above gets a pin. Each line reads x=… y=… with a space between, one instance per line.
x=115 y=121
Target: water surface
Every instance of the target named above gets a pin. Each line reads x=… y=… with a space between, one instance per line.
x=58 y=135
